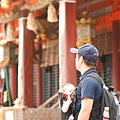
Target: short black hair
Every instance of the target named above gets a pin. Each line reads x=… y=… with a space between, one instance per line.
x=89 y=63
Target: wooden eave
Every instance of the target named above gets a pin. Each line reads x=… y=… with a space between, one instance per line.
x=12 y=14
x=97 y=8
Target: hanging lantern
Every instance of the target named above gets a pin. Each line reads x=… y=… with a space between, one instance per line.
x=5 y=4
x=10 y=33
x=52 y=16
x=31 y=23
x=8 y=53
x=85 y=30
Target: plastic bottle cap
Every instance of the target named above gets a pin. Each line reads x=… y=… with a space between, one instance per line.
x=107 y=108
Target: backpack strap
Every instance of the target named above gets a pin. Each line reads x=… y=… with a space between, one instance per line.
x=97 y=77
x=100 y=80
x=96 y=110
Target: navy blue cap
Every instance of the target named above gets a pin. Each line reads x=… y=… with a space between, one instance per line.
x=88 y=51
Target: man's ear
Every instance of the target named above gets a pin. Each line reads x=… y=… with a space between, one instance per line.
x=81 y=59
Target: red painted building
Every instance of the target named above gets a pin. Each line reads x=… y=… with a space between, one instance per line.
x=44 y=62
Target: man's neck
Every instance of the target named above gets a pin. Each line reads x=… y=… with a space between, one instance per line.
x=85 y=68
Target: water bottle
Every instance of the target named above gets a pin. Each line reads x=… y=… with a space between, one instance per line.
x=106 y=115
x=71 y=117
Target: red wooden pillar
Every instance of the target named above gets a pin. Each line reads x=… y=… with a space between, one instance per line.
x=67 y=39
x=116 y=55
x=25 y=61
x=25 y=64
x=28 y=66
x=12 y=79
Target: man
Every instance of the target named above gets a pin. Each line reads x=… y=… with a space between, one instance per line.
x=89 y=89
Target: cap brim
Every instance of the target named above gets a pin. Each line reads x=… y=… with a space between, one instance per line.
x=74 y=50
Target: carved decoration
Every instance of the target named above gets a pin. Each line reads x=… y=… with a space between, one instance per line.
x=15 y=12
x=9 y=17
x=37 y=6
x=47 y=28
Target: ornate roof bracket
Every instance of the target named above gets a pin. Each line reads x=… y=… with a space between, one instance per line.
x=9 y=17
x=39 y=5
x=15 y=12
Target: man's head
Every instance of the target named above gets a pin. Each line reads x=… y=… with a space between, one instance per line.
x=88 y=52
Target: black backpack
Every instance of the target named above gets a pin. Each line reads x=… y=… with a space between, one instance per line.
x=108 y=99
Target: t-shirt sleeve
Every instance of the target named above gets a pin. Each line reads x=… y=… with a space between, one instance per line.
x=88 y=88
